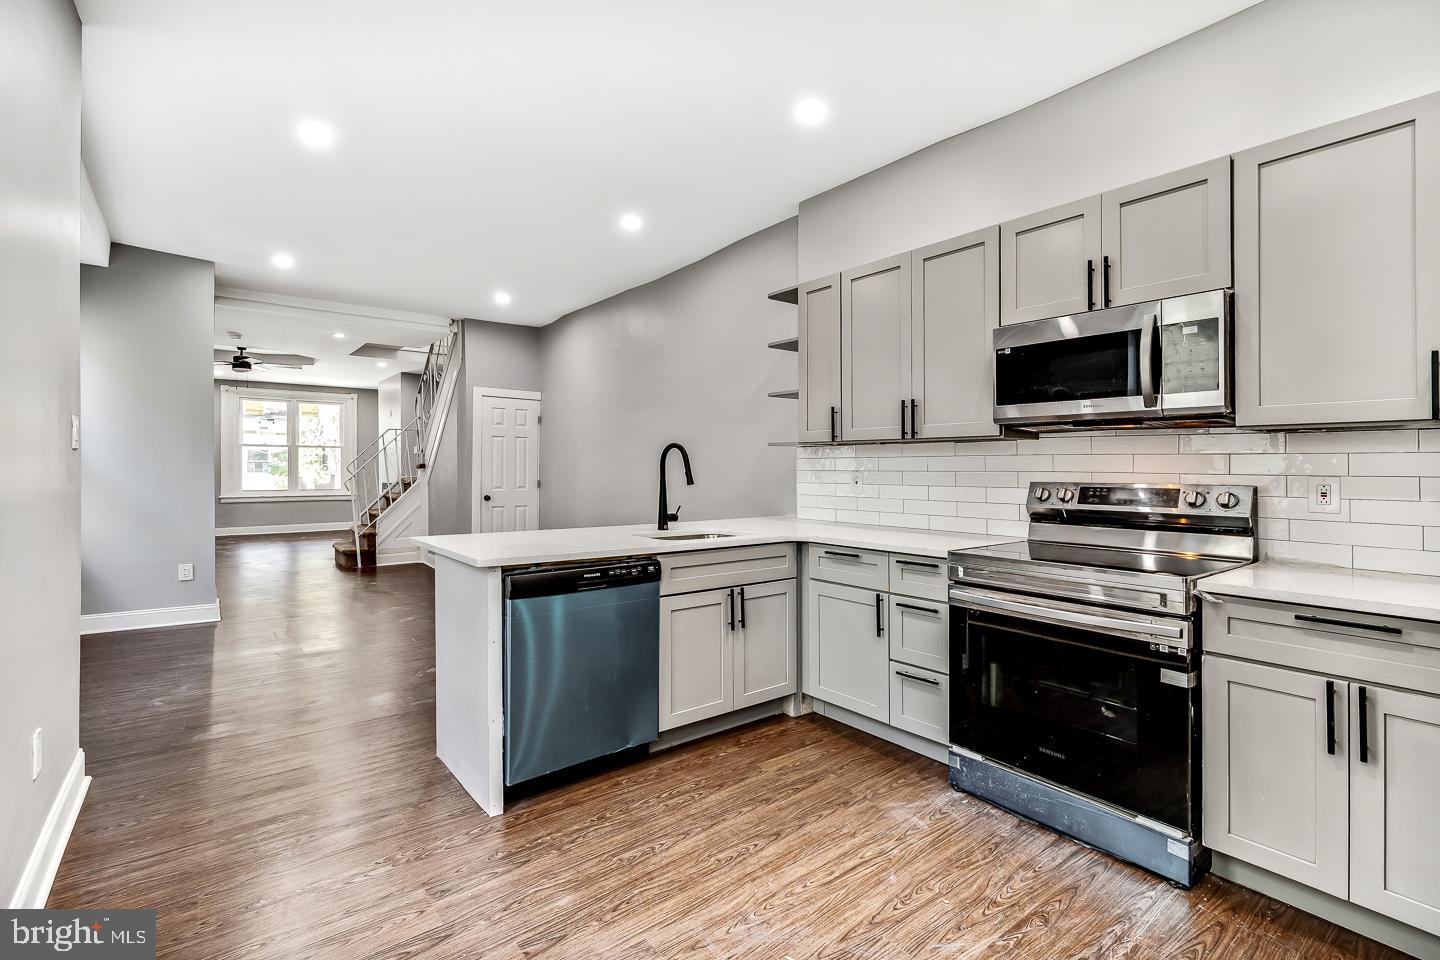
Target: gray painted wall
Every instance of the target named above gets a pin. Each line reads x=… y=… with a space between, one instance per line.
x=496 y=355
x=39 y=390
x=1277 y=68
x=148 y=495
x=681 y=358
x=397 y=400
x=228 y=515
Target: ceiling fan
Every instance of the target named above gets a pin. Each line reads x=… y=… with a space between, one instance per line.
x=243 y=362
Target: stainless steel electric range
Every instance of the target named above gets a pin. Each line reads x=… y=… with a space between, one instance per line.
x=1076 y=701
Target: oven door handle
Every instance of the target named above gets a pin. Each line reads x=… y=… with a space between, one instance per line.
x=1065 y=617
x=1148 y=328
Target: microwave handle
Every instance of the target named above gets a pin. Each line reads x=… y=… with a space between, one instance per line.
x=1148 y=329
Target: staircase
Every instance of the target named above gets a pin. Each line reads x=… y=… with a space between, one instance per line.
x=385 y=478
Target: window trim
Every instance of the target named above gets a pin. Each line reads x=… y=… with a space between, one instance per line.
x=231 y=461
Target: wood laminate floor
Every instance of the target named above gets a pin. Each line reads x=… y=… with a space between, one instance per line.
x=269 y=784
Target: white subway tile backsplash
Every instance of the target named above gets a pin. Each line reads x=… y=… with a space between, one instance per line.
x=814 y=513
x=1007 y=528
x=986 y=448
x=1039 y=461
x=1354 y=441
x=958 y=524
x=940 y=508
x=1395 y=511
x=1397 y=561
x=1298 y=508
x=1317 y=464
x=929 y=478
x=1183 y=463
x=956 y=463
x=1007 y=494
x=986 y=479
x=1395 y=464
x=990 y=511
x=1379 y=488
x=1232 y=443
x=1432 y=538
x=1358 y=534
x=857 y=516
x=1430 y=488
x=972 y=494
x=1330 y=554
x=1430 y=440
x=1136 y=443
x=1113 y=462
x=1264 y=486
x=1055 y=445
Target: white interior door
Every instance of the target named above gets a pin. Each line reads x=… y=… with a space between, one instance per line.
x=507 y=462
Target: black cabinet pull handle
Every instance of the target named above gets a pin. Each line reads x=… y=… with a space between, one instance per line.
x=904 y=407
x=834 y=432
x=742 y=608
x=837 y=553
x=732 y=610
x=1089 y=284
x=915 y=403
x=1105 y=283
x=1435 y=384
x=919 y=563
x=1364 y=726
x=910 y=606
x=1330 y=717
x=879 y=615
x=1331 y=621
x=911 y=676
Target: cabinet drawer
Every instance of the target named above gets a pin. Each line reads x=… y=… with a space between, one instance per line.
x=866 y=569
x=920 y=702
x=726 y=567
x=922 y=577
x=1362 y=646
x=920 y=633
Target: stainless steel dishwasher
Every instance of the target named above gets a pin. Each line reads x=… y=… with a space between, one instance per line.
x=582 y=664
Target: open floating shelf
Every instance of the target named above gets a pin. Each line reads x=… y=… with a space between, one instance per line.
x=786 y=295
x=792 y=394
x=790 y=343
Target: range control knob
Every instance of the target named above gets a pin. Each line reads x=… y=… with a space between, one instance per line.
x=1194 y=499
x=1042 y=494
x=1065 y=494
x=1228 y=500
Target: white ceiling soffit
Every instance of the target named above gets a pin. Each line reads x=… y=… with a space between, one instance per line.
x=487 y=146
x=276 y=323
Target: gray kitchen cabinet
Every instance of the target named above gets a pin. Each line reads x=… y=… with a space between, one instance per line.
x=1048 y=262
x=1168 y=236
x=1276 y=792
x=696 y=657
x=764 y=655
x=1337 y=303
x=955 y=304
x=875 y=349
x=920 y=633
x=1394 y=830
x=846 y=659
x=819 y=334
x=920 y=702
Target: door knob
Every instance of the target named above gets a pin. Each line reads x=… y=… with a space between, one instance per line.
x=487 y=498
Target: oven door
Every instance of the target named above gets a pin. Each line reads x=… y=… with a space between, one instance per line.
x=1087 y=698
x=1095 y=366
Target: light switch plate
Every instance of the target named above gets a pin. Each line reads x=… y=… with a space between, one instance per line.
x=1324 y=495
x=74 y=431
x=187 y=572
x=857 y=481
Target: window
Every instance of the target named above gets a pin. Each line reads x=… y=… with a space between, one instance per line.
x=277 y=445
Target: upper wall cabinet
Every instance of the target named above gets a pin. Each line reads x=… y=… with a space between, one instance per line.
x=954 y=307
x=1168 y=236
x=1048 y=262
x=875 y=350
x=819 y=312
x=1337 y=295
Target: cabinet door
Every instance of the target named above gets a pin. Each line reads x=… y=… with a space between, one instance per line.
x=920 y=702
x=920 y=633
x=1337 y=301
x=1048 y=262
x=846 y=659
x=1394 y=812
x=955 y=306
x=1274 y=794
x=1168 y=236
x=874 y=349
x=696 y=657
x=819 y=313
x=765 y=654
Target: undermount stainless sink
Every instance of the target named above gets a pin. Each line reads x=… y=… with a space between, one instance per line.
x=687 y=536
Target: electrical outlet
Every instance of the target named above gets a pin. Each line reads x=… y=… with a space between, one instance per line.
x=187 y=572
x=857 y=481
x=1324 y=495
x=36 y=759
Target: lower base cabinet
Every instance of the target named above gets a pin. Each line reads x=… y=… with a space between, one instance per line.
x=723 y=650
x=847 y=654
x=920 y=701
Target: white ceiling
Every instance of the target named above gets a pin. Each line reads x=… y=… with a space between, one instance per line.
x=492 y=144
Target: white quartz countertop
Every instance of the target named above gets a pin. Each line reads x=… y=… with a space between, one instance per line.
x=591 y=543
x=1361 y=591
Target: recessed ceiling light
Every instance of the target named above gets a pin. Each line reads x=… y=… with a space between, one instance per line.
x=811 y=111
x=501 y=297
x=283 y=260
x=630 y=222
x=380 y=363
x=338 y=335
x=315 y=134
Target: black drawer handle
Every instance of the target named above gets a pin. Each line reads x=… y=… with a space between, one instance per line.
x=911 y=676
x=1364 y=726
x=911 y=606
x=919 y=563
x=1330 y=717
x=879 y=614
x=838 y=553
x=1330 y=621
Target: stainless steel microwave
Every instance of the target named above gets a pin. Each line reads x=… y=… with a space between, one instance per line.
x=1166 y=360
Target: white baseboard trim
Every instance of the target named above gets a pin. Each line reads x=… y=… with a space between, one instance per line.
x=149 y=619
x=281 y=528
x=34 y=887
x=395 y=558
